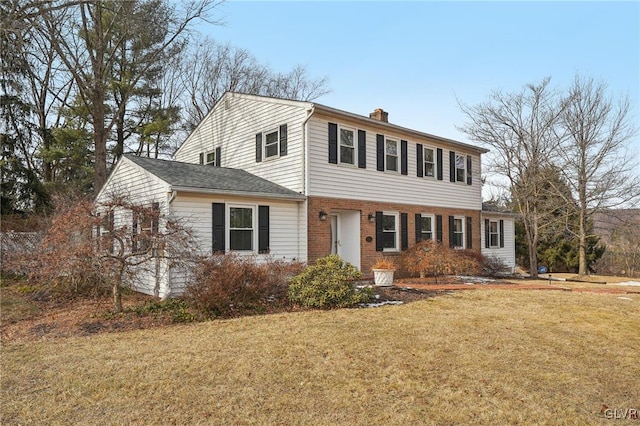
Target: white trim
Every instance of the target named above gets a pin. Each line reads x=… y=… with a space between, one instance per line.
x=266 y=157
x=206 y=157
x=464 y=231
x=396 y=215
x=433 y=226
x=463 y=168
x=424 y=161
x=497 y=233
x=397 y=155
x=254 y=224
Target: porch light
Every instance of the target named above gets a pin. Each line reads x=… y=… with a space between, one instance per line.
x=322 y=215
x=371 y=217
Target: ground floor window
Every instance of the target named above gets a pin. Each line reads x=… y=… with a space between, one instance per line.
x=458 y=232
x=241 y=228
x=426 y=227
x=390 y=231
x=494 y=234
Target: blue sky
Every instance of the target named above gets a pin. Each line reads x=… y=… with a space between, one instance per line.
x=414 y=58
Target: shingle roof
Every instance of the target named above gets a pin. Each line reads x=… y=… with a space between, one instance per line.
x=210 y=179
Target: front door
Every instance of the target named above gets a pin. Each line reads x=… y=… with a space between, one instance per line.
x=345 y=235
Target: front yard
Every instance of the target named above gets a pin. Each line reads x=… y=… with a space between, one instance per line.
x=472 y=357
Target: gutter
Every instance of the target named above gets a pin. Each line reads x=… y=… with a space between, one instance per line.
x=292 y=197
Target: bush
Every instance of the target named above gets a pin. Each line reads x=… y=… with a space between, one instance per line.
x=231 y=285
x=433 y=258
x=328 y=284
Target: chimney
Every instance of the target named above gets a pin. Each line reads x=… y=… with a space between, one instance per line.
x=380 y=115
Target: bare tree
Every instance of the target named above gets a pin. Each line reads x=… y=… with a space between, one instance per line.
x=521 y=129
x=211 y=69
x=594 y=158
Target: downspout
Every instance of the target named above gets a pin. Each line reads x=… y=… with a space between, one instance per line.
x=305 y=183
x=171 y=196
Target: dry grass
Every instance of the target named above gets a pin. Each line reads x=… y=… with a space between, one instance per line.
x=481 y=357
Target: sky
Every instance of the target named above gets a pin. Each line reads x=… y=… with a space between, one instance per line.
x=417 y=60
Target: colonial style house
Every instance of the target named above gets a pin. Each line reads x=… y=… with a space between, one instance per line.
x=300 y=180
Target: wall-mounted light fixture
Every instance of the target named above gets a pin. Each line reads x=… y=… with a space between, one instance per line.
x=322 y=215
x=371 y=217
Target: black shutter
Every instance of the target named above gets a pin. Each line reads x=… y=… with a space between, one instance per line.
x=263 y=229
x=218 y=156
x=404 y=228
x=469 y=179
x=420 y=160
x=258 y=147
x=487 y=234
x=403 y=158
x=333 y=143
x=218 y=231
x=418 y=228
x=379 y=233
x=501 y=233
x=440 y=165
x=283 y=140
x=380 y=152
x=452 y=166
x=202 y=158
x=362 y=149
x=469 y=232
x=439 y=228
x=451 y=234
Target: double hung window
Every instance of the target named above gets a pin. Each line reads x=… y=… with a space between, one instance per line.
x=241 y=228
x=391 y=155
x=429 y=162
x=347 y=146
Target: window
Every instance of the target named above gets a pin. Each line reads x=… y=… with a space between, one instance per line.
x=241 y=228
x=211 y=157
x=271 y=141
x=390 y=231
x=458 y=232
x=391 y=155
x=460 y=169
x=347 y=148
x=429 y=162
x=426 y=227
x=494 y=234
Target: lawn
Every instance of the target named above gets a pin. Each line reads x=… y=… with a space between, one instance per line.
x=475 y=357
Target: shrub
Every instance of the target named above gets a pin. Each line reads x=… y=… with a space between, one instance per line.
x=488 y=266
x=433 y=258
x=328 y=283
x=228 y=285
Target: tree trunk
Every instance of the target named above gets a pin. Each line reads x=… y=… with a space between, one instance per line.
x=582 y=250
x=97 y=99
x=117 y=297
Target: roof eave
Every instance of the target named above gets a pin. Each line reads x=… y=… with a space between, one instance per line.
x=287 y=197
x=330 y=110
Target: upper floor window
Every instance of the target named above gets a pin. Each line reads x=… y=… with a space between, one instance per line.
x=271 y=141
x=429 y=162
x=210 y=157
x=347 y=147
x=460 y=168
x=458 y=232
x=391 y=155
x=241 y=228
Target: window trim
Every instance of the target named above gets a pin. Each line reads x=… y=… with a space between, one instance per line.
x=463 y=168
x=463 y=233
x=206 y=157
x=266 y=157
x=496 y=234
x=254 y=227
x=354 y=147
x=432 y=231
x=396 y=155
x=425 y=162
x=397 y=231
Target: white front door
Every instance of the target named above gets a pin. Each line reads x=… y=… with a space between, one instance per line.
x=345 y=235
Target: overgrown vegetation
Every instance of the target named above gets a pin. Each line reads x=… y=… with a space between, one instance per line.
x=433 y=258
x=328 y=283
x=231 y=285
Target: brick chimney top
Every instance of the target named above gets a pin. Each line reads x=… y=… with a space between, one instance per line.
x=380 y=115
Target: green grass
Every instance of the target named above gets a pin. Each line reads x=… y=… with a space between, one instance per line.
x=481 y=357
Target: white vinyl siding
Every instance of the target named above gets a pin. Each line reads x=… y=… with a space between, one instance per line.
x=507 y=253
x=328 y=180
x=234 y=123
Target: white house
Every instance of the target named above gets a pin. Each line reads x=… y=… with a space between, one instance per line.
x=300 y=180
